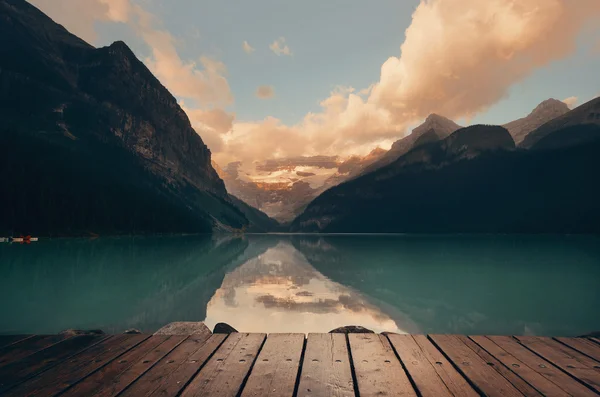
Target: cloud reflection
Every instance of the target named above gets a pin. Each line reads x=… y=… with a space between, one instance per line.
x=280 y=291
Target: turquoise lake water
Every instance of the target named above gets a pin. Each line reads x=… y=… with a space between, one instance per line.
x=305 y=283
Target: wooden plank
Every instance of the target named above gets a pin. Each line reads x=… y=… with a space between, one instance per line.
x=276 y=369
x=97 y=381
x=453 y=380
x=595 y=340
x=525 y=388
x=420 y=369
x=78 y=367
x=18 y=351
x=472 y=366
x=17 y=372
x=126 y=378
x=326 y=367
x=538 y=381
x=569 y=360
x=173 y=385
x=7 y=340
x=378 y=370
x=541 y=366
x=226 y=371
x=151 y=380
x=583 y=346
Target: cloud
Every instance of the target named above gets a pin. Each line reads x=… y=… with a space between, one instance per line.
x=459 y=58
x=265 y=92
x=571 y=101
x=279 y=47
x=248 y=49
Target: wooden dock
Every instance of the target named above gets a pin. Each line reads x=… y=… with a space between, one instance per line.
x=241 y=364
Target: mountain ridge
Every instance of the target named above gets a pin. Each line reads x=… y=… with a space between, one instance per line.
x=98 y=119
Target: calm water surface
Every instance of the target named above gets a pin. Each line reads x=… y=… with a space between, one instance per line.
x=305 y=283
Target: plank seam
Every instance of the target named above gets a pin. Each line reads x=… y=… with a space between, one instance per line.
x=456 y=367
x=202 y=365
x=152 y=366
x=56 y=363
x=245 y=380
x=410 y=379
x=577 y=350
x=300 y=364
x=507 y=367
x=18 y=341
x=352 y=369
x=104 y=365
x=559 y=368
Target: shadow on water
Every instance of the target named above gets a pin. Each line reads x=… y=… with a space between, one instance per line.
x=305 y=283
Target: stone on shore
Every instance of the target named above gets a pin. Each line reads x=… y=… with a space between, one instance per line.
x=184 y=328
x=351 y=329
x=223 y=328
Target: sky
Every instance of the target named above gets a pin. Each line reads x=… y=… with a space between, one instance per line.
x=271 y=78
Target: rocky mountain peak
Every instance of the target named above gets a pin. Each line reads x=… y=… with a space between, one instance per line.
x=543 y=113
x=550 y=107
x=440 y=124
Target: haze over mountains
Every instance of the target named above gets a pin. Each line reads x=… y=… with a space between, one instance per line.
x=92 y=143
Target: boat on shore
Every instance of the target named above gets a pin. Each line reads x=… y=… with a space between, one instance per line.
x=22 y=239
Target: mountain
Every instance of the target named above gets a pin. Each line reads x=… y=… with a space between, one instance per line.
x=91 y=142
x=259 y=221
x=283 y=187
x=544 y=112
x=435 y=127
x=577 y=126
x=474 y=181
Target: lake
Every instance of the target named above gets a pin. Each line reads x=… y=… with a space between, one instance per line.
x=534 y=285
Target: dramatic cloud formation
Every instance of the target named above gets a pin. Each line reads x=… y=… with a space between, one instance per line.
x=279 y=47
x=265 y=92
x=459 y=58
x=571 y=101
x=248 y=49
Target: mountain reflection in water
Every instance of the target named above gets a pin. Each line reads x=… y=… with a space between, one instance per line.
x=305 y=283
x=280 y=290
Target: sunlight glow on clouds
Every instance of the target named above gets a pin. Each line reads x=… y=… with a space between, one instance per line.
x=452 y=62
x=571 y=101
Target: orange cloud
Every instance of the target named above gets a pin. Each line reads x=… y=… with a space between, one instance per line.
x=571 y=101
x=265 y=92
x=459 y=58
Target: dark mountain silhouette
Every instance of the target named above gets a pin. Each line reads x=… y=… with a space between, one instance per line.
x=578 y=126
x=91 y=142
x=544 y=112
x=259 y=221
x=474 y=181
x=434 y=127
